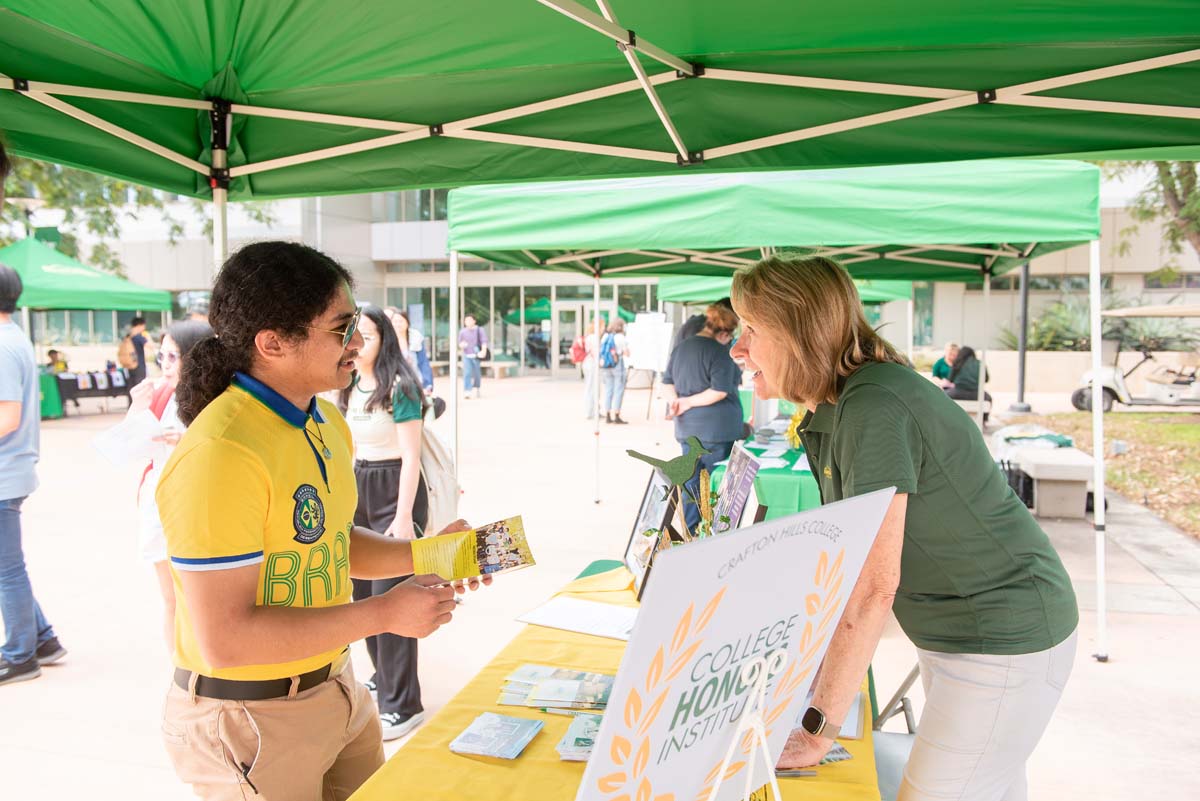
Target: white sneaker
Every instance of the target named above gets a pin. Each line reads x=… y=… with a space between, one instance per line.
x=396 y=725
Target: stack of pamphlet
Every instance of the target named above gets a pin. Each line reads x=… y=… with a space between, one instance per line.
x=496 y=736
x=576 y=744
x=556 y=689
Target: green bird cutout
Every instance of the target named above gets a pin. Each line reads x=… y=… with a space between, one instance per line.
x=680 y=469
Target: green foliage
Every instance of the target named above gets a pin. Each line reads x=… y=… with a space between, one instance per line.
x=1171 y=198
x=1066 y=325
x=96 y=204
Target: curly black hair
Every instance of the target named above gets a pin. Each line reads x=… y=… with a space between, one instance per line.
x=265 y=286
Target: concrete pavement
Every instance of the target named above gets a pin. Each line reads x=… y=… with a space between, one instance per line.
x=89 y=727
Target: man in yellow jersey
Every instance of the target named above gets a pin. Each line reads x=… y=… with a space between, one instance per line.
x=257 y=504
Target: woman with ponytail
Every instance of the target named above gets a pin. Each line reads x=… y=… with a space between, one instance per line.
x=972 y=579
x=257 y=504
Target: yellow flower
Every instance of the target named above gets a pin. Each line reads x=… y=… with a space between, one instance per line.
x=706 y=508
x=793 y=430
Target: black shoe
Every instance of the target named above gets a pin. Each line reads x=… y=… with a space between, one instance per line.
x=617 y=419
x=27 y=670
x=50 y=652
x=395 y=725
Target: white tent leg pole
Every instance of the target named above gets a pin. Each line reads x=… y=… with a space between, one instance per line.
x=453 y=328
x=27 y=322
x=596 y=377
x=911 y=329
x=987 y=330
x=220 y=231
x=1098 y=495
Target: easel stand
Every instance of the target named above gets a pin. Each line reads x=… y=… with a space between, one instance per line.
x=754 y=674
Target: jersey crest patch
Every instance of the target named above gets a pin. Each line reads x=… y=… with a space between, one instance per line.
x=308 y=517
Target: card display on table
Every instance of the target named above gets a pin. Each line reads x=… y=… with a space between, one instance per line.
x=734 y=493
x=576 y=745
x=495 y=735
x=498 y=547
x=545 y=686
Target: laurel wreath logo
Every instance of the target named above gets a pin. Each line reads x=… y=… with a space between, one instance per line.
x=630 y=782
x=824 y=601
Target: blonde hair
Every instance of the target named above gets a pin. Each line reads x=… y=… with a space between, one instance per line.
x=813 y=304
x=720 y=319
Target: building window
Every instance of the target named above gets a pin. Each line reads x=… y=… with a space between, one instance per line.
x=104 y=327
x=415 y=205
x=632 y=298
x=586 y=292
x=1163 y=279
x=1193 y=280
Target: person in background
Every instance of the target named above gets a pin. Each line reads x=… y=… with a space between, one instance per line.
x=157 y=396
x=56 y=361
x=963 y=383
x=537 y=348
x=137 y=337
x=473 y=343
x=591 y=347
x=414 y=342
x=701 y=382
x=614 y=349
x=29 y=641
x=944 y=364
x=694 y=325
x=384 y=407
x=198 y=311
x=972 y=579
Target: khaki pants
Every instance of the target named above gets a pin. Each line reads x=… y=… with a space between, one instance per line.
x=318 y=745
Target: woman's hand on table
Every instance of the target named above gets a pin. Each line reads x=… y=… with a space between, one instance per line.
x=802 y=750
x=461 y=586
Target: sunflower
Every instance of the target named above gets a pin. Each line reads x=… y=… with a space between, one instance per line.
x=793 y=430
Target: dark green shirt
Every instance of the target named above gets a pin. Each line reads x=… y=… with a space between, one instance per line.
x=977 y=575
x=941 y=368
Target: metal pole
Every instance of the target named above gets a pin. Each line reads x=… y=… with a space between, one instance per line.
x=911 y=332
x=521 y=318
x=987 y=332
x=219 y=181
x=27 y=322
x=1098 y=495
x=596 y=377
x=453 y=327
x=1023 y=344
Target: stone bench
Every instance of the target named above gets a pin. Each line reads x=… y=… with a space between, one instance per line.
x=1060 y=479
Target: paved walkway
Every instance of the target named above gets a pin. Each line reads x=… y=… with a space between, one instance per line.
x=89 y=728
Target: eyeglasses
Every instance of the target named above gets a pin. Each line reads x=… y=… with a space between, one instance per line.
x=347 y=333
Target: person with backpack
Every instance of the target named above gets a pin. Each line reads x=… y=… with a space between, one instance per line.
x=613 y=350
x=157 y=397
x=473 y=342
x=385 y=408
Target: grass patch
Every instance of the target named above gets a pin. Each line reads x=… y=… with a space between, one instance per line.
x=1160 y=469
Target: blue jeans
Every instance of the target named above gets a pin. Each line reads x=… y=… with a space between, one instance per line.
x=25 y=626
x=614 y=388
x=471 y=373
x=720 y=452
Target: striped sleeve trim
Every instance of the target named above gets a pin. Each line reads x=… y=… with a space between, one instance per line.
x=217 y=562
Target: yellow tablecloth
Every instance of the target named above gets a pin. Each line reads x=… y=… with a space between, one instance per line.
x=426 y=768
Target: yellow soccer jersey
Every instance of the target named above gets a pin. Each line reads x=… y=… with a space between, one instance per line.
x=252 y=483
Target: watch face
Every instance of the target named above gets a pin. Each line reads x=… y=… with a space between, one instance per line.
x=813 y=720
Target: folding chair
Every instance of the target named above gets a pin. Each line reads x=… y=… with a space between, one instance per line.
x=892 y=748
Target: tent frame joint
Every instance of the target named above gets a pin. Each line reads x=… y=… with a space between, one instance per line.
x=697 y=72
x=219 y=178
x=219 y=117
x=20 y=85
x=437 y=130
x=986 y=96
x=694 y=157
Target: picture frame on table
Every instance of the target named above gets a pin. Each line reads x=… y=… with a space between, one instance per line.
x=656 y=513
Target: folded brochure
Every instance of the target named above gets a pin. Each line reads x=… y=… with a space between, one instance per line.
x=495 y=735
x=576 y=745
x=495 y=548
x=545 y=686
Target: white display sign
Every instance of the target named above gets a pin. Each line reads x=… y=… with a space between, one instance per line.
x=649 y=340
x=714 y=605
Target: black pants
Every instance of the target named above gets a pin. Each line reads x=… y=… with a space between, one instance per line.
x=394 y=657
x=958 y=393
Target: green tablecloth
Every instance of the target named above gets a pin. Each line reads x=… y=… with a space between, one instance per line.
x=783 y=490
x=51 y=399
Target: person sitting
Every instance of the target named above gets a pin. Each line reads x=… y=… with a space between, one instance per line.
x=943 y=366
x=964 y=378
x=56 y=361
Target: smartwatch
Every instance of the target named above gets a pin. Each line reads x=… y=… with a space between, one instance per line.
x=815 y=723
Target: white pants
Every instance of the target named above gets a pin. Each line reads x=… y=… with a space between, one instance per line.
x=983 y=717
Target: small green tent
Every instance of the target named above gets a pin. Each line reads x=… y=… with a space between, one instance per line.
x=54 y=280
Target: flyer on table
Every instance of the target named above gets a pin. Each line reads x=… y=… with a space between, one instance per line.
x=714 y=605
x=495 y=548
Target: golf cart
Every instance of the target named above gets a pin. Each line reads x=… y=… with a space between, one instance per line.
x=1166 y=386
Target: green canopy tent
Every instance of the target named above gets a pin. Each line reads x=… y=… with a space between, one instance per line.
x=964 y=222
x=540 y=311
x=54 y=280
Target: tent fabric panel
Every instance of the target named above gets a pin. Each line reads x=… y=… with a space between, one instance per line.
x=53 y=280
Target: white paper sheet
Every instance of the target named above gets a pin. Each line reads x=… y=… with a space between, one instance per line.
x=801 y=463
x=587 y=617
x=773 y=463
x=129 y=440
x=774 y=449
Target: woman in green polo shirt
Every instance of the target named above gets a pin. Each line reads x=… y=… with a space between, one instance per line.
x=972 y=579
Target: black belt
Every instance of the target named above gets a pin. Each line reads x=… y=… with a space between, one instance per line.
x=235 y=690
